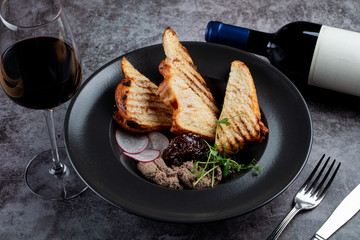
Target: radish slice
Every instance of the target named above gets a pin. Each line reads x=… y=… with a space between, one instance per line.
x=157 y=141
x=130 y=142
x=148 y=155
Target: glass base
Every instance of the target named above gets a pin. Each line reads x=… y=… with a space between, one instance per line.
x=51 y=184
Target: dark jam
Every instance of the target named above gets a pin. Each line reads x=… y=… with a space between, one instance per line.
x=185 y=147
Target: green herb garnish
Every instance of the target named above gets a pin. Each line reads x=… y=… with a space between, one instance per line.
x=216 y=159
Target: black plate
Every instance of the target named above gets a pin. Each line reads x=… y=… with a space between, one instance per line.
x=89 y=131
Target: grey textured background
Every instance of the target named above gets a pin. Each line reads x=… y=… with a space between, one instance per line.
x=105 y=29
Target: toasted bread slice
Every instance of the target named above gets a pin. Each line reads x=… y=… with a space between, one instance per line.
x=240 y=101
x=139 y=107
x=184 y=89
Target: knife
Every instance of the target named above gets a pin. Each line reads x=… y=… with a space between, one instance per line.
x=343 y=213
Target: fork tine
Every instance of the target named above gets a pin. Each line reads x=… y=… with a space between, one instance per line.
x=312 y=187
x=315 y=192
x=312 y=173
x=330 y=181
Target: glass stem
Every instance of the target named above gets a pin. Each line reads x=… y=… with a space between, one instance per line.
x=57 y=168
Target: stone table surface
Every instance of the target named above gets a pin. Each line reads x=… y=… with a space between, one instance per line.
x=105 y=29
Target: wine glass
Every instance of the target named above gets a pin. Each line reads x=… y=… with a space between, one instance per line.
x=41 y=69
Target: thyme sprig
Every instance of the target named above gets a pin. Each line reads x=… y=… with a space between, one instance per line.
x=216 y=159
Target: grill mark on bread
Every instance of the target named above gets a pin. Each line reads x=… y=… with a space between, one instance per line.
x=140 y=108
x=243 y=129
x=194 y=81
x=194 y=85
x=240 y=98
x=123 y=105
x=183 y=88
x=126 y=83
x=145 y=96
x=239 y=127
x=240 y=123
x=132 y=124
x=144 y=83
x=158 y=110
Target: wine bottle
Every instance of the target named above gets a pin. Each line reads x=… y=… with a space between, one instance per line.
x=308 y=53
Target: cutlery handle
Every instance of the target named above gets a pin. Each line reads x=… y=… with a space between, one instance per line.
x=317 y=237
x=280 y=228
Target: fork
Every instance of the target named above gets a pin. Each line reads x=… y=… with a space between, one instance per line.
x=309 y=195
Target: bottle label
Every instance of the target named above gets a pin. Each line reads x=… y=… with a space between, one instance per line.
x=336 y=61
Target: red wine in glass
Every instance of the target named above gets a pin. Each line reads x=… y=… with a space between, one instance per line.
x=40 y=69
x=40 y=72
